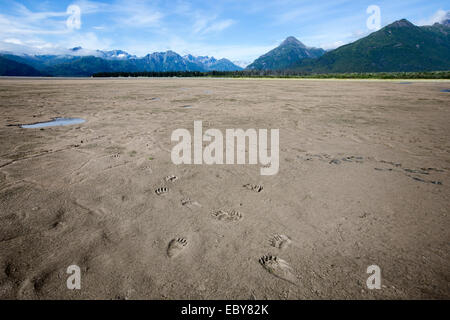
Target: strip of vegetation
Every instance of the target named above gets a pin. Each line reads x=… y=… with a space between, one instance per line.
x=281 y=74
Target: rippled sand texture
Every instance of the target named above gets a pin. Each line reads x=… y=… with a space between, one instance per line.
x=363 y=180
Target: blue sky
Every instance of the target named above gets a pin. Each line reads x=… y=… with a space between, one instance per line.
x=235 y=29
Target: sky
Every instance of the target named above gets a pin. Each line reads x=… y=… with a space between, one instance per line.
x=240 y=30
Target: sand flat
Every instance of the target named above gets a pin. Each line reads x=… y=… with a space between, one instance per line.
x=363 y=180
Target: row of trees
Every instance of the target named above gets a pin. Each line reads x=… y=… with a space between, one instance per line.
x=246 y=73
x=281 y=74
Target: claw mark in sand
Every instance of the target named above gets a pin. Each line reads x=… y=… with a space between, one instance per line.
x=228 y=216
x=171 y=178
x=254 y=187
x=280 y=241
x=189 y=203
x=278 y=267
x=161 y=191
x=176 y=246
x=335 y=161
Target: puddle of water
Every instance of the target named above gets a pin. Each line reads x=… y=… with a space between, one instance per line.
x=53 y=123
x=445 y=90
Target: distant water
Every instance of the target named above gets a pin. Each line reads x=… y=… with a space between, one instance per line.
x=405 y=83
x=53 y=123
x=445 y=90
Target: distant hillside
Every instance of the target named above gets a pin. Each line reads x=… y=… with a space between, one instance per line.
x=85 y=66
x=398 y=47
x=290 y=52
x=212 y=64
x=12 y=68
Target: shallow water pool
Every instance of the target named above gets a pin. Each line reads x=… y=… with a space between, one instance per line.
x=54 y=123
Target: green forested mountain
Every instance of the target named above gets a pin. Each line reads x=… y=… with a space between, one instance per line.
x=12 y=68
x=288 y=53
x=398 y=47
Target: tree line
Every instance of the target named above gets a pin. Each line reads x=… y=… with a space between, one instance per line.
x=279 y=74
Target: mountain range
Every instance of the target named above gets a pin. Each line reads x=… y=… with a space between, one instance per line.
x=398 y=47
x=72 y=64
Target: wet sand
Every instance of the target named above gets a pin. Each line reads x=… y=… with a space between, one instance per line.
x=363 y=180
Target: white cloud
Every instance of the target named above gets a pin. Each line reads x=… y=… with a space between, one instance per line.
x=22 y=21
x=142 y=19
x=89 y=7
x=13 y=41
x=209 y=24
x=294 y=11
x=31 y=16
x=201 y=23
x=242 y=64
x=332 y=45
x=136 y=14
x=218 y=26
x=437 y=17
x=290 y=15
x=35 y=46
x=88 y=41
